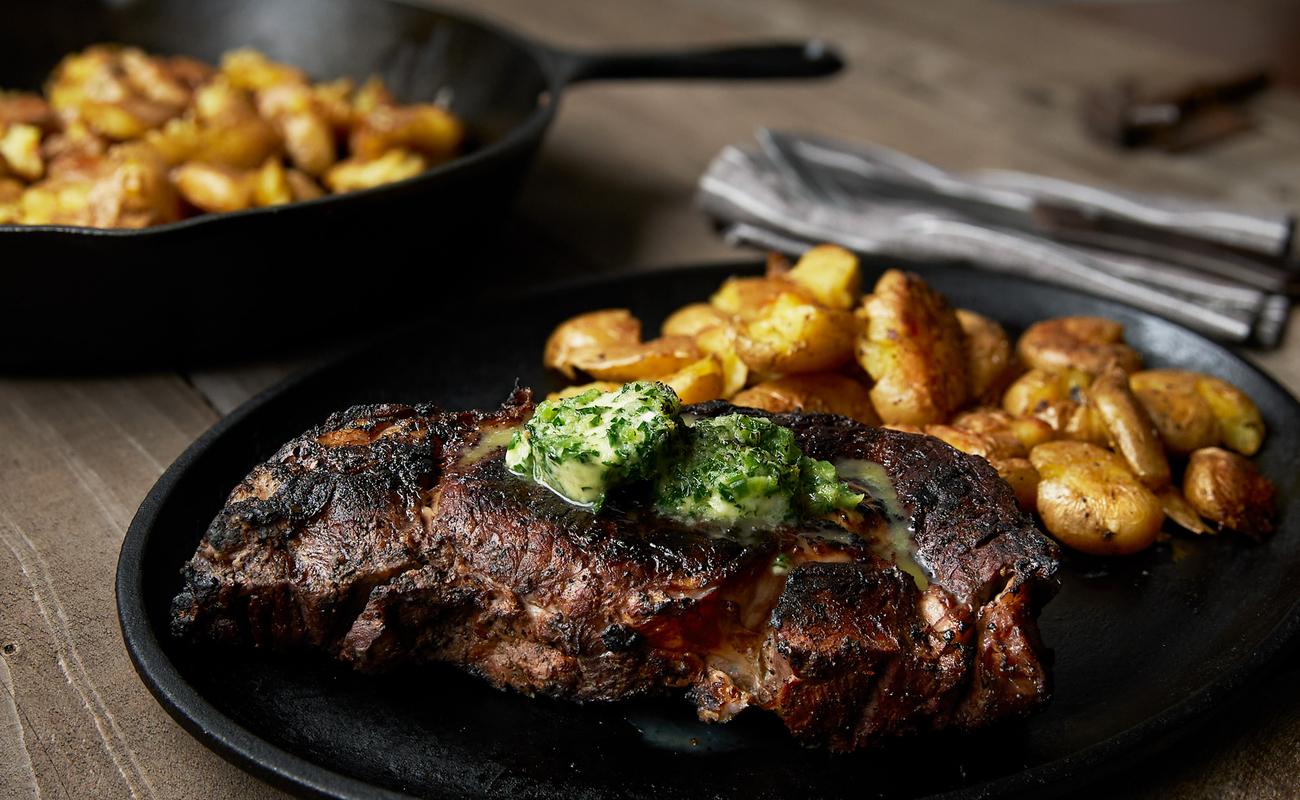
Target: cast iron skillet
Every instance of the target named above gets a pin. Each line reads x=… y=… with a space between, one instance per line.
x=1143 y=645
x=80 y=295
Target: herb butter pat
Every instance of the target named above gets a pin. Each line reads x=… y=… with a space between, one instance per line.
x=581 y=447
x=739 y=469
x=732 y=469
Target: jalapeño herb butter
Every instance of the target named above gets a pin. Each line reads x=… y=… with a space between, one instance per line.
x=729 y=469
x=736 y=468
x=580 y=447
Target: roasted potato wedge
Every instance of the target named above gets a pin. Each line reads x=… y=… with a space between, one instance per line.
x=1228 y=490
x=1090 y=500
x=819 y=392
x=793 y=335
x=913 y=348
x=1129 y=428
x=1087 y=344
x=990 y=362
x=1181 y=415
x=611 y=326
x=698 y=382
x=1240 y=425
x=831 y=275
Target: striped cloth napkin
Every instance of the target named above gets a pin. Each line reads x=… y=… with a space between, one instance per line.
x=1222 y=271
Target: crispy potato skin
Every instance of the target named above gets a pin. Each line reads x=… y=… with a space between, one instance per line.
x=1090 y=501
x=1180 y=511
x=1227 y=489
x=655 y=359
x=821 y=392
x=913 y=347
x=1088 y=344
x=1240 y=425
x=1179 y=412
x=1129 y=428
x=610 y=326
x=990 y=362
x=748 y=297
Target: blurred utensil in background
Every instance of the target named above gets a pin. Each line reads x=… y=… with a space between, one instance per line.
x=1222 y=271
x=1182 y=118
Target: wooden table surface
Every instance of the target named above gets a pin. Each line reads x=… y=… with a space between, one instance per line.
x=963 y=84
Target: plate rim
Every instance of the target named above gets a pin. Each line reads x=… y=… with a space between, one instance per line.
x=284 y=769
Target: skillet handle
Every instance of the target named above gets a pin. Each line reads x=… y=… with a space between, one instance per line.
x=810 y=59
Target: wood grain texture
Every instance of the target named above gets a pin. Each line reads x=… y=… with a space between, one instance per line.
x=963 y=84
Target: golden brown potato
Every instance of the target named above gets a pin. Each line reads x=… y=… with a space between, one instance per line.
x=719 y=341
x=1240 y=425
x=611 y=326
x=692 y=319
x=1183 y=418
x=1180 y=511
x=26 y=108
x=306 y=129
x=212 y=187
x=698 y=382
x=748 y=297
x=118 y=92
x=792 y=335
x=913 y=347
x=830 y=274
x=1228 y=490
x=1037 y=388
x=20 y=151
x=350 y=174
x=1028 y=431
x=423 y=127
x=271 y=184
x=819 y=393
x=1083 y=343
x=990 y=364
x=252 y=71
x=1129 y=428
x=1090 y=501
x=637 y=361
x=303 y=186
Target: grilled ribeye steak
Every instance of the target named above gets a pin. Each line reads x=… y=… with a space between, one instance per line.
x=394 y=535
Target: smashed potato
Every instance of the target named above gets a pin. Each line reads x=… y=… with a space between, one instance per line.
x=749 y=297
x=830 y=274
x=253 y=133
x=1240 y=425
x=792 y=335
x=693 y=319
x=613 y=326
x=1179 y=412
x=819 y=392
x=1228 y=490
x=913 y=347
x=1129 y=428
x=1090 y=501
x=1087 y=344
x=698 y=382
x=990 y=363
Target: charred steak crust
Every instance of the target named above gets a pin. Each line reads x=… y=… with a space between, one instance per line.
x=393 y=535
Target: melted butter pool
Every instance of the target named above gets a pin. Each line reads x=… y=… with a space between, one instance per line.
x=895 y=541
